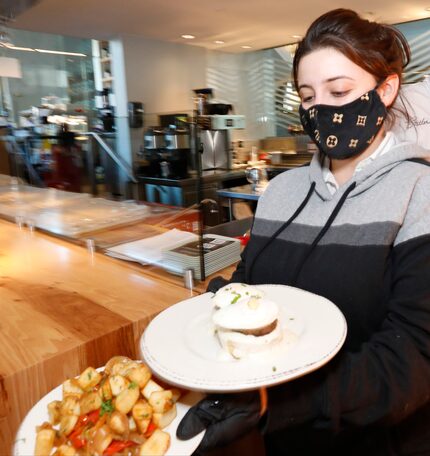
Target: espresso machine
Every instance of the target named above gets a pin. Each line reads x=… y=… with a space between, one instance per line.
x=153 y=147
x=166 y=152
x=214 y=131
x=177 y=152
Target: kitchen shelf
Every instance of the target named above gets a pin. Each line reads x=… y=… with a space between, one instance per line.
x=105 y=60
x=109 y=79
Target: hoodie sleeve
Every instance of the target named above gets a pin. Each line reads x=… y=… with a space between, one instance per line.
x=388 y=379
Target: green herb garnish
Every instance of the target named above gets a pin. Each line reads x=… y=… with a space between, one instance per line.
x=132 y=385
x=236 y=298
x=274 y=368
x=106 y=407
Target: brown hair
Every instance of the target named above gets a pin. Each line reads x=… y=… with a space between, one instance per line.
x=380 y=49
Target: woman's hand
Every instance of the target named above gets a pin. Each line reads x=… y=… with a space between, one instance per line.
x=226 y=417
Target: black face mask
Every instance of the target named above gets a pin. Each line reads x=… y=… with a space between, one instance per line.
x=345 y=131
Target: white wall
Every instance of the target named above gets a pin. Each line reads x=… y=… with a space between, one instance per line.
x=162 y=75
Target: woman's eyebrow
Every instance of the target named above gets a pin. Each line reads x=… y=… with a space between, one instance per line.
x=334 y=78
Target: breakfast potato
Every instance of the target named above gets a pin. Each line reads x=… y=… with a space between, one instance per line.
x=118 y=422
x=162 y=420
x=142 y=414
x=115 y=360
x=156 y=445
x=123 y=368
x=65 y=450
x=140 y=375
x=54 y=412
x=89 y=378
x=44 y=442
x=118 y=383
x=132 y=406
x=127 y=398
x=149 y=388
x=161 y=401
x=70 y=405
x=67 y=423
x=71 y=388
x=89 y=402
x=176 y=394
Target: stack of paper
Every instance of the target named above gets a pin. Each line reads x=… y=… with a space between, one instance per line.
x=150 y=250
x=219 y=252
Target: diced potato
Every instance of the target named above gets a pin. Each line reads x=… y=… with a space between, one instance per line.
x=89 y=402
x=162 y=420
x=125 y=401
x=44 y=442
x=67 y=423
x=71 y=387
x=131 y=423
x=118 y=383
x=122 y=366
x=105 y=390
x=142 y=414
x=54 y=412
x=118 y=422
x=140 y=375
x=161 y=401
x=115 y=360
x=149 y=388
x=89 y=378
x=156 y=445
x=176 y=394
x=65 y=450
x=70 y=406
x=101 y=439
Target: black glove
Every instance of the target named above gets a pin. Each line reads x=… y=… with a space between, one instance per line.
x=226 y=417
x=216 y=283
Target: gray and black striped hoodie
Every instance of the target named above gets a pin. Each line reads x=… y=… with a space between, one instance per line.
x=367 y=249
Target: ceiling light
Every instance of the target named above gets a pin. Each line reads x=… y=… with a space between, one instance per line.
x=246 y=47
x=18 y=48
x=427 y=9
x=47 y=51
x=188 y=37
x=219 y=42
x=296 y=36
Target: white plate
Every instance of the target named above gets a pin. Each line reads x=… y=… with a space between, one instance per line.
x=180 y=346
x=26 y=436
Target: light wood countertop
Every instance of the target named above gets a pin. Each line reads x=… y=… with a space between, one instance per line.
x=63 y=309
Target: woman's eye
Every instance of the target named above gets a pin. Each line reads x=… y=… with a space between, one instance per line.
x=307 y=99
x=340 y=94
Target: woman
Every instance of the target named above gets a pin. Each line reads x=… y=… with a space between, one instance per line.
x=354 y=226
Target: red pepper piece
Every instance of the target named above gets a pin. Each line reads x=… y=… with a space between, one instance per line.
x=116 y=446
x=150 y=430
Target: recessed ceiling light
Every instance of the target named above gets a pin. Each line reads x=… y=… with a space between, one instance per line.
x=48 y=51
x=188 y=37
x=296 y=36
x=219 y=42
x=246 y=47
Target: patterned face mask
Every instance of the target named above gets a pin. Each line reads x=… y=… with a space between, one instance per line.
x=344 y=131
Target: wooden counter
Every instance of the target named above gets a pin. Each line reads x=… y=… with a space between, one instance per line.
x=63 y=309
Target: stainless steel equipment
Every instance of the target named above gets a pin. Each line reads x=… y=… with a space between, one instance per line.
x=177 y=138
x=216 y=141
x=256 y=176
x=154 y=138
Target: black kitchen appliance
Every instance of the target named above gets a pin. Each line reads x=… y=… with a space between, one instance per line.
x=135 y=114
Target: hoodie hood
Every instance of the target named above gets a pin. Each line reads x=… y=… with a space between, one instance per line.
x=371 y=173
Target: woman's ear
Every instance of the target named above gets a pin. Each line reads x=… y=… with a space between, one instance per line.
x=388 y=89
